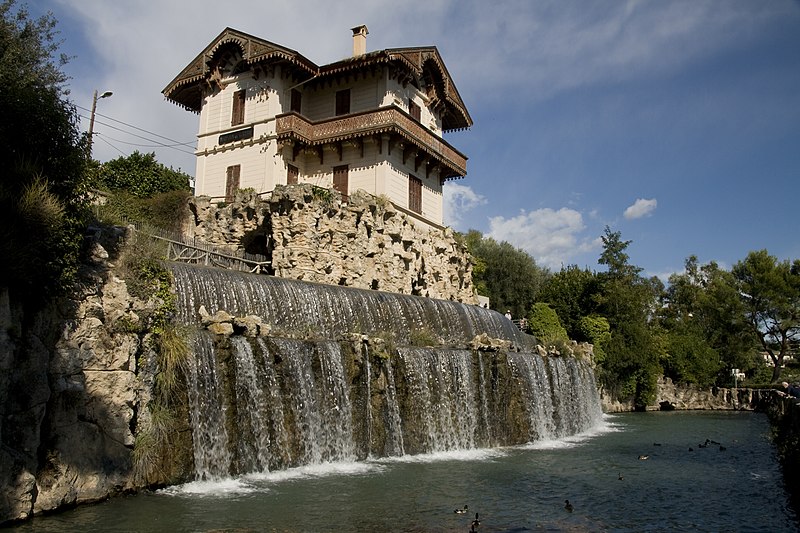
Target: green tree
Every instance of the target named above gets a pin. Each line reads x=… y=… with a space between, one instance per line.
x=510 y=276
x=770 y=294
x=572 y=292
x=42 y=191
x=140 y=175
x=596 y=330
x=702 y=309
x=631 y=367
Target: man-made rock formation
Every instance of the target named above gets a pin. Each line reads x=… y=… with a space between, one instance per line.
x=310 y=234
x=672 y=396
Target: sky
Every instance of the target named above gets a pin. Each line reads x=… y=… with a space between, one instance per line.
x=675 y=123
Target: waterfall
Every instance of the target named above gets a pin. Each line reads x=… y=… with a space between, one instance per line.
x=316 y=390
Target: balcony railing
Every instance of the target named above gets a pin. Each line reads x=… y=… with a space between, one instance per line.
x=391 y=120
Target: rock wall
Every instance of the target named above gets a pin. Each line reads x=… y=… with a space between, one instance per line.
x=672 y=396
x=71 y=391
x=309 y=234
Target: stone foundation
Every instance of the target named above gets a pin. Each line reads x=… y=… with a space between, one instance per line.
x=309 y=234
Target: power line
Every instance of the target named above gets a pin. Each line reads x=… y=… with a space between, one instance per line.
x=174 y=145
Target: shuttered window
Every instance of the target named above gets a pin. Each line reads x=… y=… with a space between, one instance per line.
x=297 y=100
x=414 y=110
x=343 y=102
x=237 y=116
x=340 y=174
x=415 y=194
x=232 y=182
x=291 y=174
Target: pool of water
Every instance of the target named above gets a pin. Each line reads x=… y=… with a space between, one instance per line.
x=735 y=485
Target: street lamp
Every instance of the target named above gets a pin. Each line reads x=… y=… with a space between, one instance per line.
x=91 y=117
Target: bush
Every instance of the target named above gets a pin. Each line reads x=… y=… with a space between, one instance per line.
x=545 y=325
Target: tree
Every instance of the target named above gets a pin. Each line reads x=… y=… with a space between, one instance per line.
x=42 y=191
x=141 y=175
x=627 y=300
x=702 y=309
x=770 y=294
x=510 y=276
x=572 y=293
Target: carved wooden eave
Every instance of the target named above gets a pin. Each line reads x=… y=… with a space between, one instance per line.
x=186 y=89
x=388 y=123
x=422 y=66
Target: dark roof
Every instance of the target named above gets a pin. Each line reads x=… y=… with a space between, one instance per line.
x=420 y=65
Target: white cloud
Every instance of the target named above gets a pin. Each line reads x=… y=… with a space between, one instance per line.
x=458 y=200
x=641 y=208
x=550 y=236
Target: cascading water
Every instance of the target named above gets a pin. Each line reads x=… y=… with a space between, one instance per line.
x=342 y=377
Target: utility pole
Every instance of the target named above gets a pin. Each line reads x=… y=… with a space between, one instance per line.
x=91 y=118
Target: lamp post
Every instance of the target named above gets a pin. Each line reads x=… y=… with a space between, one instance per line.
x=91 y=117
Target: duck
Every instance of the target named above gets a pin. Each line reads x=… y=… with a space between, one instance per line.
x=620 y=476
x=475 y=523
x=568 y=506
x=722 y=448
x=462 y=511
x=644 y=457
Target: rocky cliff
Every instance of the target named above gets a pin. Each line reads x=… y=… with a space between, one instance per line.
x=71 y=389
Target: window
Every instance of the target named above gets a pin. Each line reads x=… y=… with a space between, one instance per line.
x=232 y=182
x=343 y=102
x=291 y=174
x=297 y=101
x=237 y=116
x=414 y=110
x=415 y=194
x=340 y=179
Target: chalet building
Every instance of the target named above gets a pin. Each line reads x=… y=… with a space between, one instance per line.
x=373 y=121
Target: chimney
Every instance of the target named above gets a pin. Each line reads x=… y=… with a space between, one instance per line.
x=359 y=40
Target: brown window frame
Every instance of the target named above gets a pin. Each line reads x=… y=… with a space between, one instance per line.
x=338 y=184
x=297 y=101
x=232 y=178
x=292 y=174
x=342 y=102
x=237 y=113
x=414 y=194
x=414 y=110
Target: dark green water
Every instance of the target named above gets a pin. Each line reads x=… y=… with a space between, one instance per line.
x=513 y=489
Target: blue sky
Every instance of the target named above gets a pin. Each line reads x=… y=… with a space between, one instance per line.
x=676 y=123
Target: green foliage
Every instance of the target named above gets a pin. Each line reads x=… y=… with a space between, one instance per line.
x=770 y=294
x=165 y=210
x=42 y=193
x=508 y=276
x=596 y=330
x=545 y=325
x=572 y=293
x=690 y=359
x=628 y=301
x=140 y=175
x=173 y=354
x=153 y=444
x=703 y=304
x=146 y=277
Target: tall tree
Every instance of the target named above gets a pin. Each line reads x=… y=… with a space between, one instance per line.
x=510 y=276
x=42 y=200
x=627 y=300
x=770 y=293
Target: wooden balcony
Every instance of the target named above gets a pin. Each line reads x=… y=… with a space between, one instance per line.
x=392 y=121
